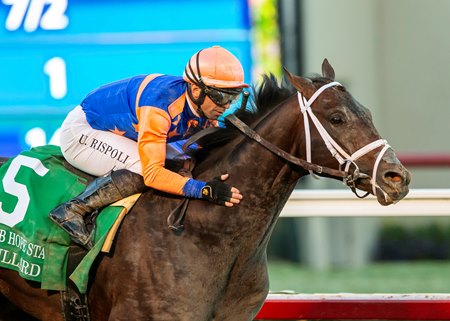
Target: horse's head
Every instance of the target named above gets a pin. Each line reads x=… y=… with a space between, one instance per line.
x=340 y=123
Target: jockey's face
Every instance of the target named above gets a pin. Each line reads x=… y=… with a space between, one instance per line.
x=213 y=111
x=210 y=109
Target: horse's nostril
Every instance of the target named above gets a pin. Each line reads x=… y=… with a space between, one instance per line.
x=393 y=177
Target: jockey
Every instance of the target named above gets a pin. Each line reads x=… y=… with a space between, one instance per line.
x=120 y=131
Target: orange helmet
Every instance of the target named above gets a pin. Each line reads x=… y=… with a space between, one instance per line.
x=215 y=67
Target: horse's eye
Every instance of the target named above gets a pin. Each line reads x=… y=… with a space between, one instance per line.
x=336 y=119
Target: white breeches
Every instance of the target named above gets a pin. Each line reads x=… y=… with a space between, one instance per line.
x=96 y=152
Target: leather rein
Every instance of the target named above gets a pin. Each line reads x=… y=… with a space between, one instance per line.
x=348 y=179
x=239 y=124
x=345 y=160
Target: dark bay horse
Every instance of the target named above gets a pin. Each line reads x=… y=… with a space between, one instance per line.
x=216 y=268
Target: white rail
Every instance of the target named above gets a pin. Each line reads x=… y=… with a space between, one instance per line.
x=328 y=203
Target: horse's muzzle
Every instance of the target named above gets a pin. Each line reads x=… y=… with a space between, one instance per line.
x=393 y=183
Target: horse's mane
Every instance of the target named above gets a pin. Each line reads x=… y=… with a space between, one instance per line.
x=264 y=97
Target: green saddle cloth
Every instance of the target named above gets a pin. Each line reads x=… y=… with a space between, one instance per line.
x=31 y=185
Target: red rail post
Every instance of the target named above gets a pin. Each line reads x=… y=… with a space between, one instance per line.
x=356 y=307
x=425 y=160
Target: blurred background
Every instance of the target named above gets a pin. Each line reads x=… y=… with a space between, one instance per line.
x=393 y=56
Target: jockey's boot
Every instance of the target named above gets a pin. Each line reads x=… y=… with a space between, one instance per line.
x=99 y=193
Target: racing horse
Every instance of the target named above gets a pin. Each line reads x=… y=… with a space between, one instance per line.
x=216 y=268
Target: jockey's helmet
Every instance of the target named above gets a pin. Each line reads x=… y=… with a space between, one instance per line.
x=215 y=67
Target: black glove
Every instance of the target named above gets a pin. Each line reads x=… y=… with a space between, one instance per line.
x=217 y=192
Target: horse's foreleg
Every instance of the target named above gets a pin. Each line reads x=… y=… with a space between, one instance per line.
x=248 y=286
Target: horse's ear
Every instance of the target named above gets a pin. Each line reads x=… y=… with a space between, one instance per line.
x=327 y=70
x=303 y=85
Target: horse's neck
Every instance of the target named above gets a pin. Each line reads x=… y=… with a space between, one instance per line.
x=267 y=175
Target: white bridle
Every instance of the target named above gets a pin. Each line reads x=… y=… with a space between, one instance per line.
x=344 y=159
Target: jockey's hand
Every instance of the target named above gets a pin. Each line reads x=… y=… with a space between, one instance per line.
x=220 y=193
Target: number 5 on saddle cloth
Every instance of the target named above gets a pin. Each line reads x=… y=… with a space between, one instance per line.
x=31 y=185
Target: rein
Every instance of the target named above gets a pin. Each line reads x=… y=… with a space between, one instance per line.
x=239 y=124
x=344 y=159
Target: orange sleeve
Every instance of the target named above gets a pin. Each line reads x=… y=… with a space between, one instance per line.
x=154 y=124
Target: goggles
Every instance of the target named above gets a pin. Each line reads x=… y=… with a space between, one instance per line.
x=223 y=96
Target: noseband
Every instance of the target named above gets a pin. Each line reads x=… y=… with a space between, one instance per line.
x=344 y=159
